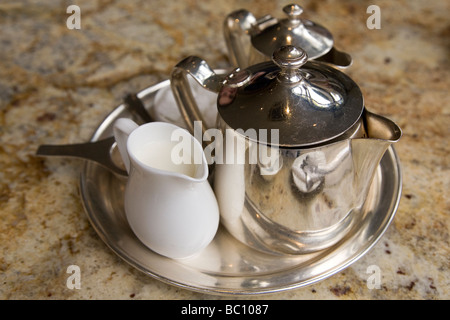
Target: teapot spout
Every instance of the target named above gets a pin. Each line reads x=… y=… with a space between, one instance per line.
x=367 y=153
x=336 y=58
x=381 y=128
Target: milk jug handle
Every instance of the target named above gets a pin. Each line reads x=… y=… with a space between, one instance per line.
x=122 y=130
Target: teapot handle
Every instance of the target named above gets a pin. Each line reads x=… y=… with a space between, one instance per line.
x=236 y=29
x=205 y=76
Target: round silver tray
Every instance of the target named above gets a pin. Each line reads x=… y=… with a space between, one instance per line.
x=227 y=266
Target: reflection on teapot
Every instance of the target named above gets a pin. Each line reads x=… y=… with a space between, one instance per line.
x=327 y=153
x=310 y=168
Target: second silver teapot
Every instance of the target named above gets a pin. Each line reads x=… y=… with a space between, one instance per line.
x=250 y=40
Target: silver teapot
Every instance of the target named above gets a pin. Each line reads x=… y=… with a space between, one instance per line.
x=250 y=40
x=321 y=147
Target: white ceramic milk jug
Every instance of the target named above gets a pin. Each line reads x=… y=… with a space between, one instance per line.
x=169 y=203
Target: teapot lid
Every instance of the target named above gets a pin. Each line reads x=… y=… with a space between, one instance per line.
x=308 y=102
x=313 y=38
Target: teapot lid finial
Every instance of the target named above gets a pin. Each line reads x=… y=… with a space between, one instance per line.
x=293 y=12
x=290 y=59
x=315 y=39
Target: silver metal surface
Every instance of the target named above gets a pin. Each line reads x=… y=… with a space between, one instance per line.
x=308 y=193
x=306 y=200
x=307 y=104
x=250 y=40
x=227 y=266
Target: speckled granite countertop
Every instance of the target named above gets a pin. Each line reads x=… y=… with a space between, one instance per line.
x=57 y=85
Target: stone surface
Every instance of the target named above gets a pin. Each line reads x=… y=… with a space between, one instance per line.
x=57 y=85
